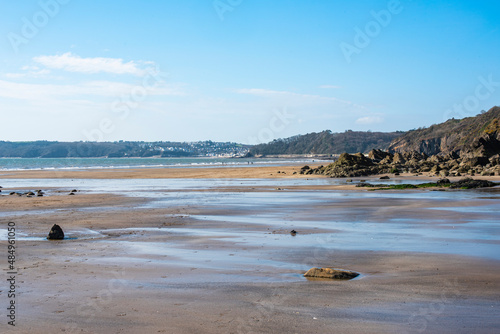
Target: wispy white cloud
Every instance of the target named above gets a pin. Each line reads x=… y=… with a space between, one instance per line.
x=45 y=92
x=292 y=97
x=36 y=73
x=277 y=93
x=74 y=63
x=369 y=120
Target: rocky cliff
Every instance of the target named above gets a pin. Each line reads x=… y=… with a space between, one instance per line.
x=468 y=137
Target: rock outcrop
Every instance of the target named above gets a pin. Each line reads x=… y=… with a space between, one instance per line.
x=480 y=160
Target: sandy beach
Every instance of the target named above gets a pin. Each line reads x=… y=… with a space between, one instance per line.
x=162 y=173
x=209 y=250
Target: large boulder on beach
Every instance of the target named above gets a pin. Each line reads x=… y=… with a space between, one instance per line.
x=331 y=273
x=351 y=165
x=56 y=233
x=469 y=183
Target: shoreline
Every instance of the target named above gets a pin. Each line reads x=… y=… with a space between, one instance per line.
x=209 y=172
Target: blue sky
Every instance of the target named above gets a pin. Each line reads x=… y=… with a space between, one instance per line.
x=241 y=70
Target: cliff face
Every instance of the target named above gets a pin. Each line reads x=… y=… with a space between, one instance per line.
x=469 y=137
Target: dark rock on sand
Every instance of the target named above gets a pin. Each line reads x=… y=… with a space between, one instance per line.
x=56 y=233
x=469 y=183
x=443 y=182
x=331 y=273
x=304 y=169
x=293 y=232
x=385 y=178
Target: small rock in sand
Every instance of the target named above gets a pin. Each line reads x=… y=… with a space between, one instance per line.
x=56 y=233
x=331 y=273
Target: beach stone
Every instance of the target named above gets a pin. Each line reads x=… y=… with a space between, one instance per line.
x=56 y=233
x=293 y=232
x=443 y=182
x=331 y=273
x=468 y=183
x=385 y=178
x=304 y=169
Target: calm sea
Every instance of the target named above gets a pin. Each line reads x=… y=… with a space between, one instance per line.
x=97 y=163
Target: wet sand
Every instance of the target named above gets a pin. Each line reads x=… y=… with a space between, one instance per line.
x=162 y=173
x=227 y=172
x=221 y=264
